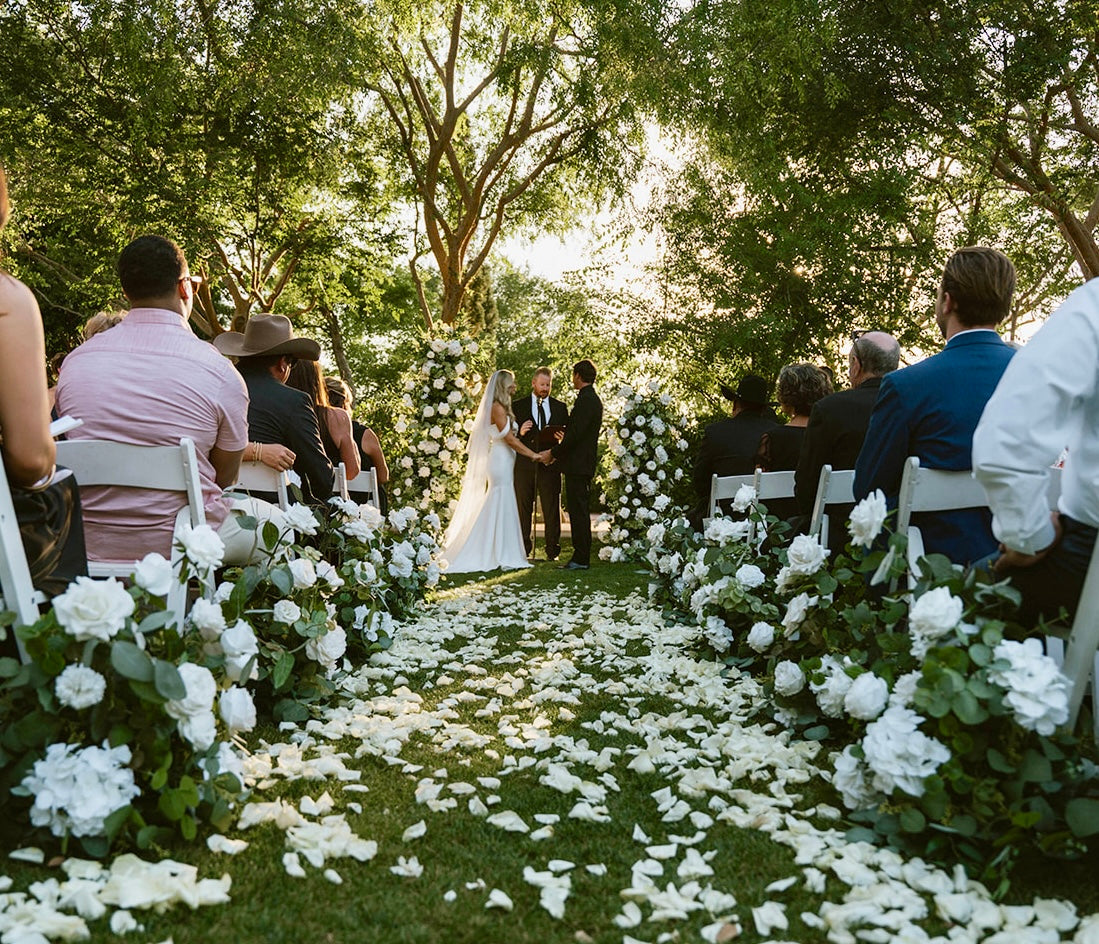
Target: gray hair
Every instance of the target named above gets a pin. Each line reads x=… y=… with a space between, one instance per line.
x=878 y=352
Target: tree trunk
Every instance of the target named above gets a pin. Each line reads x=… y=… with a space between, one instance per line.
x=1082 y=242
x=335 y=334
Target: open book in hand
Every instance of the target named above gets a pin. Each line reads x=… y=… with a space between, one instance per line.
x=550 y=436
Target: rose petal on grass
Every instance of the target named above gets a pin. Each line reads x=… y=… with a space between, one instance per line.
x=499 y=899
x=415 y=831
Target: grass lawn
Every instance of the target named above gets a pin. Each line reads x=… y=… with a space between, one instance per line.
x=499 y=701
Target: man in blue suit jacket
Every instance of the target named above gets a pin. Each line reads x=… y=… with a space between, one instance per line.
x=931 y=409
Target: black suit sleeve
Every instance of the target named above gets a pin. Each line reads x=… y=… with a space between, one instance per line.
x=582 y=425
x=814 y=456
x=304 y=435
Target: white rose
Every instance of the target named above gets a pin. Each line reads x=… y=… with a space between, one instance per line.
x=329 y=648
x=867 y=697
x=301 y=519
x=303 y=572
x=93 y=609
x=796 y=611
x=80 y=687
x=744 y=497
x=201 y=689
x=237 y=710
x=761 y=636
x=749 y=576
x=202 y=546
x=428 y=412
x=239 y=644
x=154 y=573
x=867 y=519
x=224 y=591
x=789 y=679
x=805 y=555
x=932 y=616
x=454 y=348
x=207 y=618
x=287 y=611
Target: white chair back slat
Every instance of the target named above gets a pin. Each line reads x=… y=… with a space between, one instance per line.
x=1083 y=642
x=364 y=484
x=771 y=485
x=98 y=462
x=833 y=488
x=257 y=477
x=726 y=486
x=17 y=592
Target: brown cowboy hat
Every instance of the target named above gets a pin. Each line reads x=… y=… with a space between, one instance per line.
x=267 y=334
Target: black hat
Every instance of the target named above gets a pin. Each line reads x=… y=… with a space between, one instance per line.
x=751 y=389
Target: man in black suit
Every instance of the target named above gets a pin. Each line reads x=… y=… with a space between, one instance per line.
x=729 y=446
x=838 y=422
x=578 y=452
x=533 y=414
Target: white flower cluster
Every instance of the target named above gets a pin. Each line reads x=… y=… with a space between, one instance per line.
x=76 y=789
x=931 y=617
x=1036 y=691
x=434 y=419
x=648 y=452
x=899 y=755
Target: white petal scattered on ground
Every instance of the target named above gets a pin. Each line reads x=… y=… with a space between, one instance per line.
x=597 y=869
x=476 y=807
x=450 y=895
x=407 y=868
x=630 y=916
x=498 y=899
x=508 y=820
x=547 y=819
x=546 y=832
x=662 y=852
x=333 y=876
x=782 y=884
x=292 y=864
x=122 y=922
x=560 y=865
x=415 y=831
x=29 y=854
x=220 y=843
x=770 y=916
x=640 y=835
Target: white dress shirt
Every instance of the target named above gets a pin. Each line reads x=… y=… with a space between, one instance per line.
x=1047 y=399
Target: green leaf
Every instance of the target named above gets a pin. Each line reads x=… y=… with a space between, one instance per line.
x=816 y=733
x=171 y=805
x=168 y=681
x=131 y=662
x=158 y=619
x=1082 y=816
x=964 y=824
x=9 y=668
x=998 y=762
x=159 y=778
x=188 y=827
x=247 y=522
x=97 y=847
x=968 y=709
x=1035 y=768
x=283 y=667
x=913 y=821
x=270 y=534
x=116 y=820
x=282 y=579
x=861 y=834
x=980 y=653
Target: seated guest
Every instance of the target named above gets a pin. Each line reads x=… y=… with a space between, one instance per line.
x=800 y=386
x=931 y=409
x=370 y=447
x=150 y=381
x=729 y=446
x=47 y=504
x=1048 y=397
x=102 y=321
x=335 y=425
x=265 y=353
x=837 y=423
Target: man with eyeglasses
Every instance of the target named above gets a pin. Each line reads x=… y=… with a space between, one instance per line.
x=931 y=409
x=838 y=422
x=150 y=381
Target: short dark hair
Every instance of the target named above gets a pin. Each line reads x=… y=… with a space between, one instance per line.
x=585 y=370
x=150 y=267
x=801 y=385
x=259 y=363
x=981 y=281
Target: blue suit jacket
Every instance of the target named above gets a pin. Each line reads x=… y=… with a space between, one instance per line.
x=930 y=410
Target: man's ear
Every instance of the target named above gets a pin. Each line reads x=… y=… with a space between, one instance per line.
x=948 y=304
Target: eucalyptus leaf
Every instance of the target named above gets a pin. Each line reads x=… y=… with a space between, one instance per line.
x=281 y=673
x=282 y=579
x=168 y=681
x=131 y=662
x=1082 y=816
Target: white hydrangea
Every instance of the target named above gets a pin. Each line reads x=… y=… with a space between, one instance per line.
x=718 y=633
x=80 y=687
x=1036 y=691
x=899 y=754
x=76 y=789
x=832 y=692
x=849 y=778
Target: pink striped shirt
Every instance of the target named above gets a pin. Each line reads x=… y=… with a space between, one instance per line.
x=150 y=381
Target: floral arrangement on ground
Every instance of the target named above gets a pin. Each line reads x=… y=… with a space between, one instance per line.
x=946 y=718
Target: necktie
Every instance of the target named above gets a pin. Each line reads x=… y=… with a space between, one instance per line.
x=541 y=413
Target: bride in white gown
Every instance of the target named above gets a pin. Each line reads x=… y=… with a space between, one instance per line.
x=484 y=533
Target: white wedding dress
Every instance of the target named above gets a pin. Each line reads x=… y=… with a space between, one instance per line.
x=484 y=533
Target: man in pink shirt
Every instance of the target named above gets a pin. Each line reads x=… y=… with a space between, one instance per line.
x=151 y=381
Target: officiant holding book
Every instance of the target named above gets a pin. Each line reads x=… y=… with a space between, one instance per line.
x=540 y=418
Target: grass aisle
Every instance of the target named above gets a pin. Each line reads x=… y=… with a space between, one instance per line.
x=547 y=746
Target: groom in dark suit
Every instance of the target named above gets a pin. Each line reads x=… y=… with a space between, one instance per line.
x=931 y=409
x=533 y=414
x=577 y=454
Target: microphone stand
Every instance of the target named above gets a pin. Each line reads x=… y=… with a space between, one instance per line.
x=536 y=503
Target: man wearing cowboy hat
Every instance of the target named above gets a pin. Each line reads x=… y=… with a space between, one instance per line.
x=277 y=413
x=729 y=446
x=149 y=385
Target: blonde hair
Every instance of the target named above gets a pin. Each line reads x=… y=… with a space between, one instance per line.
x=101 y=321
x=501 y=392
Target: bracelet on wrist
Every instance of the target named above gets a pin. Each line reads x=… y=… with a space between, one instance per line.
x=45 y=482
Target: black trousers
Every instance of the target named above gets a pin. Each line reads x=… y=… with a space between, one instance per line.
x=578 y=503
x=1057 y=579
x=533 y=478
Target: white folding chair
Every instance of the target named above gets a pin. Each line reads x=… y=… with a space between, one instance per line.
x=97 y=462
x=833 y=488
x=726 y=486
x=17 y=593
x=1081 y=659
x=257 y=477
x=364 y=484
x=771 y=485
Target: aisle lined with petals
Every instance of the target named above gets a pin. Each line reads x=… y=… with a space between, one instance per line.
x=548 y=765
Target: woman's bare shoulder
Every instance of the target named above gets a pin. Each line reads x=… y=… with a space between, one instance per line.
x=15 y=298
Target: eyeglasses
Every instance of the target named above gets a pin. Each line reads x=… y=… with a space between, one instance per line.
x=859 y=332
x=195 y=280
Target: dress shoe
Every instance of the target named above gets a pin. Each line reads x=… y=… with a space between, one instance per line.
x=572 y=565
